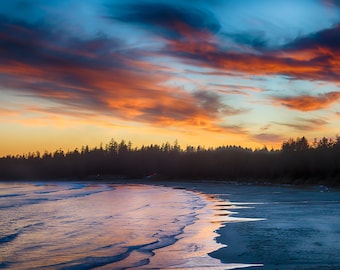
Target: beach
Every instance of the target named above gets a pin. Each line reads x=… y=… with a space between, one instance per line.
x=143 y=224
x=299 y=227
x=96 y=225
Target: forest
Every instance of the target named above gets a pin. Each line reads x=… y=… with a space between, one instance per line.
x=296 y=162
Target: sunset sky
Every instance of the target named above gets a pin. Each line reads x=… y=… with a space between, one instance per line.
x=203 y=72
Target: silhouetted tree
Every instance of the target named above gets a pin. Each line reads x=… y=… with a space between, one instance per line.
x=296 y=162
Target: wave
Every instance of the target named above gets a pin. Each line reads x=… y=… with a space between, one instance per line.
x=9 y=195
x=93 y=262
x=8 y=238
x=40 y=196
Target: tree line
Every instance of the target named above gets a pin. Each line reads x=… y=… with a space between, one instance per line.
x=297 y=162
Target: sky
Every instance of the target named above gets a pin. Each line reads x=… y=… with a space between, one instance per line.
x=203 y=72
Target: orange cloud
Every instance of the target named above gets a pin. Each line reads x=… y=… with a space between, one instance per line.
x=256 y=64
x=313 y=57
x=95 y=78
x=308 y=103
x=102 y=75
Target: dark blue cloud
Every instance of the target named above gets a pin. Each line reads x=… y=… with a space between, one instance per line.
x=164 y=19
x=45 y=45
x=327 y=38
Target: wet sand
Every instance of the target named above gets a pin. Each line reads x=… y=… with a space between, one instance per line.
x=300 y=229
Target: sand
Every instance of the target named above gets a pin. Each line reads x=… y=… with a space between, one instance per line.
x=300 y=227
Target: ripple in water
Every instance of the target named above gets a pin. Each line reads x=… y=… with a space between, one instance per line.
x=87 y=226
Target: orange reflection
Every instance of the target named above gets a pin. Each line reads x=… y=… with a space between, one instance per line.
x=77 y=225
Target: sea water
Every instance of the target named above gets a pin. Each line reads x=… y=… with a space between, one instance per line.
x=109 y=226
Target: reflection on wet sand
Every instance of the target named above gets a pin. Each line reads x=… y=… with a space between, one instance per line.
x=83 y=226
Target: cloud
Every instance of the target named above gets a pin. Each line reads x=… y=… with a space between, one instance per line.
x=268 y=138
x=325 y=41
x=212 y=102
x=211 y=56
x=235 y=89
x=305 y=124
x=314 y=121
x=307 y=103
x=232 y=129
x=314 y=57
x=195 y=37
x=179 y=28
x=164 y=19
x=99 y=75
x=104 y=75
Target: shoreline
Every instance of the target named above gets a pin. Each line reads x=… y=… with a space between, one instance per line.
x=299 y=230
x=157 y=179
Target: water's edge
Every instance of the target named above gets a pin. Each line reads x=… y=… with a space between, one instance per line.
x=86 y=225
